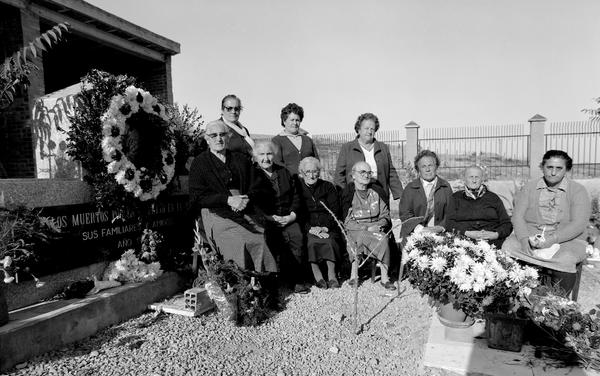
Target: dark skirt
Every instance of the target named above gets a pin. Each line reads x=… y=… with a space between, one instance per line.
x=239 y=238
x=323 y=249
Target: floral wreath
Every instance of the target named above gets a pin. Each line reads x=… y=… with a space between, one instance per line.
x=144 y=184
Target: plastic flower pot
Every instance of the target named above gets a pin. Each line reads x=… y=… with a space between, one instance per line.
x=453 y=318
x=504 y=332
x=3 y=306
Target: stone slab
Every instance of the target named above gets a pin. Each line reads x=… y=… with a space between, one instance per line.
x=473 y=357
x=24 y=293
x=47 y=326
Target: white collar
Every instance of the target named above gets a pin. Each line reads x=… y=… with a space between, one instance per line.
x=429 y=183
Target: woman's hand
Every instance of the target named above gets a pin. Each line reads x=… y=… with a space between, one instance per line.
x=238 y=202
x=374 y=228
x=285 y=220
x=526 y=247
x=320 y=232
x=482 y=234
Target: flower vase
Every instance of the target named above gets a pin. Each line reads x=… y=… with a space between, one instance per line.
x=504 y=332
x=453 y=318
x=3 y=307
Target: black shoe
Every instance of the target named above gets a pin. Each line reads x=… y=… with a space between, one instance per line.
x=322 y=284
x=334 y=284
x=301 y=288
x=352 y=282
x=388 y=285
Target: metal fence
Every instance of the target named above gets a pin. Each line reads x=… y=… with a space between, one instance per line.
x=502 y=150
x=581 y=139
x=329 y=146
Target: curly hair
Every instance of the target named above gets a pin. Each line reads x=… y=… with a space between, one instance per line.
x=426 y=153
x=366 y=116
x=557 y=154
x=291 y=108
x=230 y=96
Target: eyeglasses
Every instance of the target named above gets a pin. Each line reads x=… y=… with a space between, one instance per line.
x=215 y=135
x=232 y=109
x=311 y=172
x=364 y=173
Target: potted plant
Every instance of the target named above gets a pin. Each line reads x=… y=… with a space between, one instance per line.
x=576 y=333
x=471 y=277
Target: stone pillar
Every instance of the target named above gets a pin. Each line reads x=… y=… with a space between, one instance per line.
x=537 y=144
x=412 y=142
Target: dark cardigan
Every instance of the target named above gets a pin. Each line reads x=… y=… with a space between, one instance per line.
x=485 y=213
x=208 y=190
x=288 y=199
x=289 y=156
x=312 y=213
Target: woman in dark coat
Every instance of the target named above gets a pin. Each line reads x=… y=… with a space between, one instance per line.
x=224 y=189
x=427 y=196
x=365 y=148
x=323 y=235
x=239 y=136
x=478 y=213
x=280 y=210
x=292 y=145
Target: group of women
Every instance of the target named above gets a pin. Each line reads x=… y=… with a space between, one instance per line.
x=264 y=206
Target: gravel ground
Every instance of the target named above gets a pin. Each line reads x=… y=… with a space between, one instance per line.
x=312 y=336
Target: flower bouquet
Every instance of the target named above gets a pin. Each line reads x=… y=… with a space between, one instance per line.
x=473 y=276
x=576 y=332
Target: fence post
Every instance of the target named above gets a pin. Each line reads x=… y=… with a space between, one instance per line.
x=412 y=142
x=537 y=144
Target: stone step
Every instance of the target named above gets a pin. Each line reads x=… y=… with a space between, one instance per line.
x=46 y=326
x=465 y=352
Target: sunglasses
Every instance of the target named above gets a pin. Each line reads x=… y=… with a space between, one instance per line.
x=311 y=172
x=232 y=109
x=215 y=135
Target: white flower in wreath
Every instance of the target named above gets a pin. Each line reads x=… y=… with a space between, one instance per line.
x=438 y=264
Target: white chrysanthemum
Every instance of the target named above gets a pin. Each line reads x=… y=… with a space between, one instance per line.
x=478 y=286
x=530 y=272
x=413 y=254
x=422 y=262
x=487 y=301
x=438 y=264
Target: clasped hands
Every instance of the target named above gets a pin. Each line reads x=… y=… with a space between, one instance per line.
x=319 y=232
x=282 y=220
x=482 y=234
x=238 y=202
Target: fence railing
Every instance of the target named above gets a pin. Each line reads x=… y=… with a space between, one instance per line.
x=502 y=150
x=505 y=151
x=581 y=139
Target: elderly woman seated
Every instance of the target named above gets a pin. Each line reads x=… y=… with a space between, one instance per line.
x=323 y=235
x=367 y=220
x=282 y=230
x=478 y=213
x=549 y=219
x=224 y=188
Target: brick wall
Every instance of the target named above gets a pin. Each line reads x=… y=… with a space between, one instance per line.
x=156 y=78
x=16 y=147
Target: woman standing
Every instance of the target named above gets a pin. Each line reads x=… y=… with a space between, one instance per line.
x=365 y=148
x=292 y=145
x=239 y=138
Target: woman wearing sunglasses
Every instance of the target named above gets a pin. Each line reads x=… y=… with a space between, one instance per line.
x=239 y=138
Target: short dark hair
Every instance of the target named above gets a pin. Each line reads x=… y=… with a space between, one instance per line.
x=426 y=153
x=366 y=116
x=230 y=96
x=291 y=108
x=557 y=154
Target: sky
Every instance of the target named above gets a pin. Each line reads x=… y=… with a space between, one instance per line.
x=440 y=63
